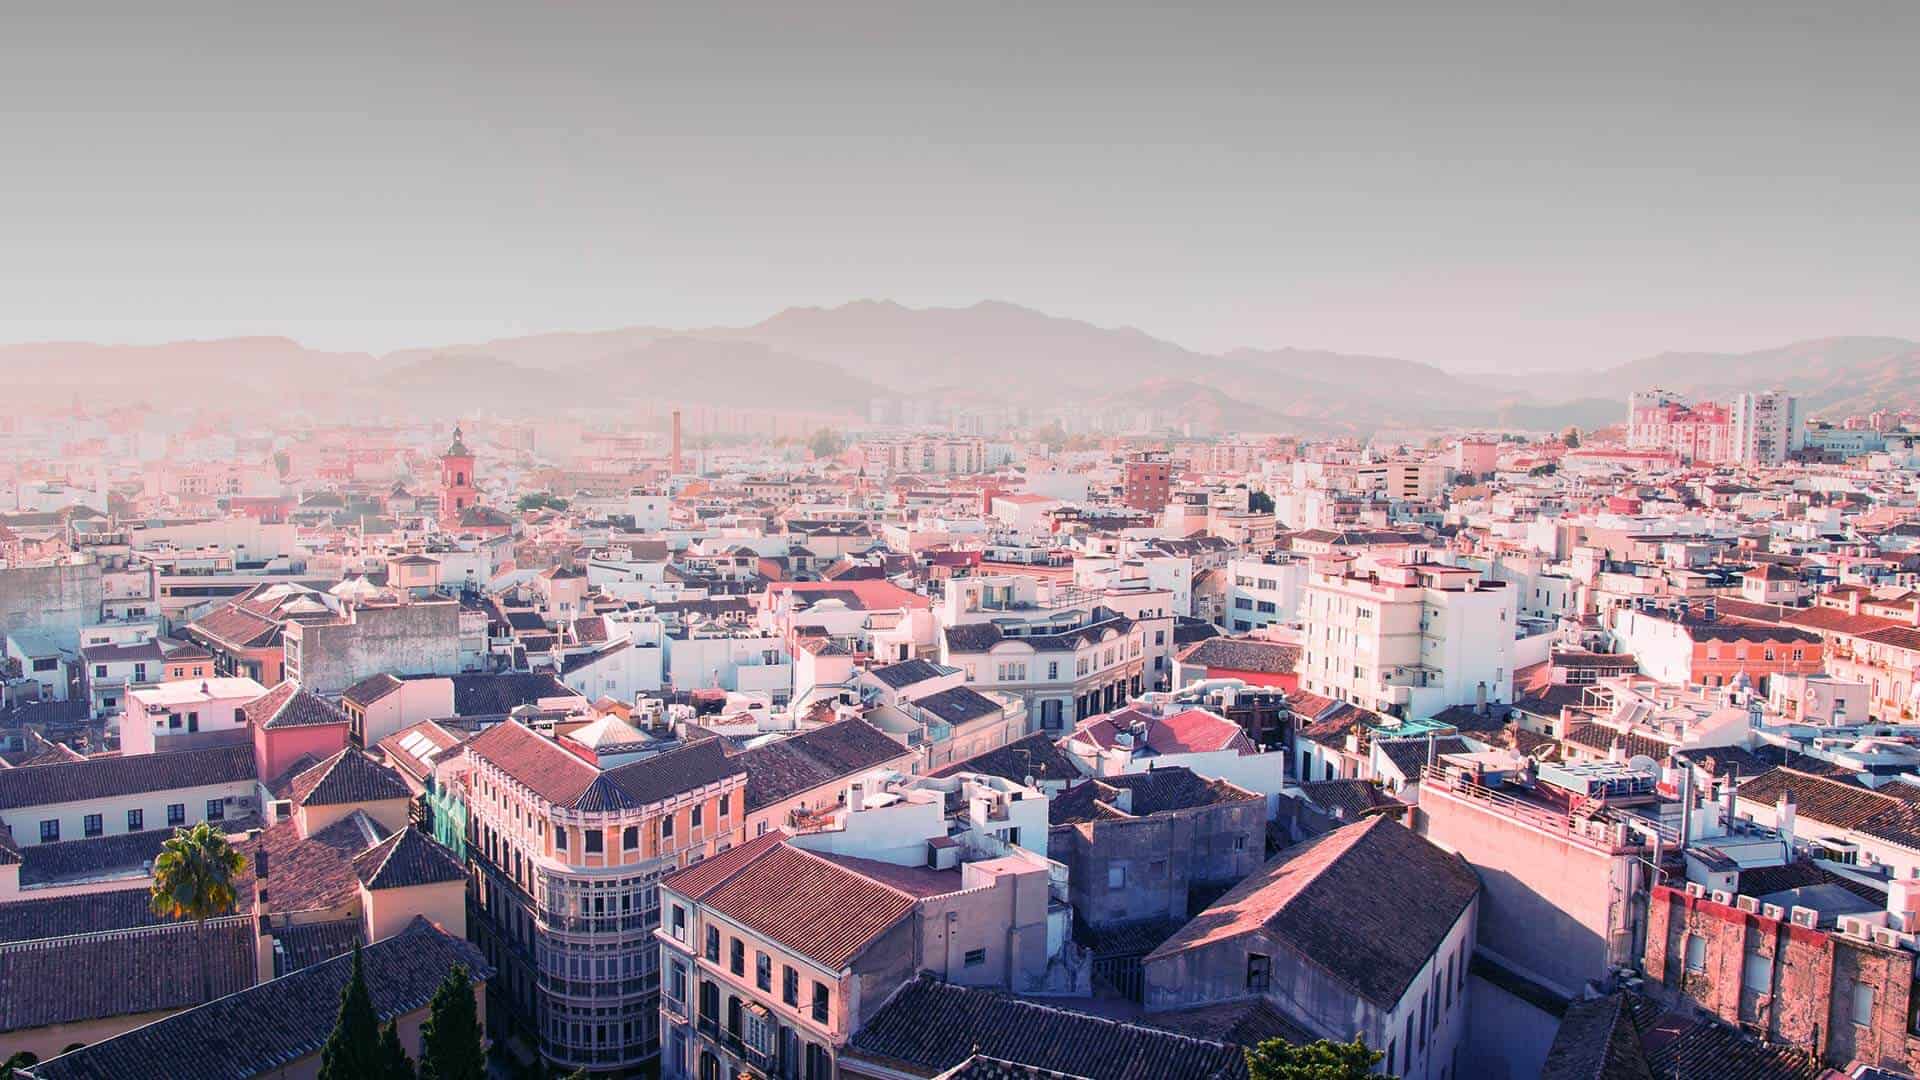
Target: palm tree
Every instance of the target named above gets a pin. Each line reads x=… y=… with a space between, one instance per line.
x=194 y=878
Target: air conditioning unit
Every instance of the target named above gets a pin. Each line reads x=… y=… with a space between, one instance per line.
x=1774 y=912
x=1748 y=904
x=1696 y=890
x=1805 y=917
x=1722 y=896
x=1883 y=936
x=246 y=801
x=1852 y=927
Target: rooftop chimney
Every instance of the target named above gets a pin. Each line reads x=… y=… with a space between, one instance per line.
x=1783 y=819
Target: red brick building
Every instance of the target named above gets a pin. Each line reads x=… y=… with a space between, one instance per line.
x=1149 y=481
x=1789 y=976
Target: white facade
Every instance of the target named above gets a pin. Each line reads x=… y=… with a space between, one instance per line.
x=170 y=715
x=1766 y=428
x=1410 y=640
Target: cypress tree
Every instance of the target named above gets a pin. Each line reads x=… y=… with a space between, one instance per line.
x=396 y=1065
x=353 y=1050
x=450 y=1039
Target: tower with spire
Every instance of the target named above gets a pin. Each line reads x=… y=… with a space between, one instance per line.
x=459 y=488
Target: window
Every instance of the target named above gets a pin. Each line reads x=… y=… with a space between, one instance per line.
x=596 y=841
x=1862 y=1004
x=136 y=820
x=176 y=815
x=789 y=985
x=679 y=923
x=677 y=981
x=1116 y=876
x=50 y=830
x=1239 y=843
x=1259 y=973
x=91 y=826
x=822 y=1002
x=46 y=663
x=666 y=827
x=737 y=957
x=713 y=944
x=630 y=838
x=1696 y=953
x=1423 y=1020
x=697 y=808
x=559 y=838
x=763 y=971
x=976 y=958
x=216 y=809
x=1053 y=669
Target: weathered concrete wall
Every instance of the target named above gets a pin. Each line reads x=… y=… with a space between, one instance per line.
x=1546 y=902
x=1507 y=1036
x=411 y=639
x=56 y=599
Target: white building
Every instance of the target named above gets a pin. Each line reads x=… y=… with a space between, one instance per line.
x=1409 y=639
x=1766 y=428
x=185 y=713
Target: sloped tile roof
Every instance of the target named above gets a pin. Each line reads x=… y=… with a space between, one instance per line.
x=928 y=1026
x=305 y=874
x=1243 y=654
x=808 y=904
x=1319 y=899
x=1818 y=798
x=91 y=978
x=348 y=777
x=269 y=1026
x=109 y=777
x=289 y=705
x=1597 y=1040
x=405 y=859
x=1034 y=755
x=839 y=751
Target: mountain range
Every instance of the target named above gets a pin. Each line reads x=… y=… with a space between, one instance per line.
x=836 y=360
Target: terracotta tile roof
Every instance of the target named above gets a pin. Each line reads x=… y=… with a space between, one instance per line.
x=1681 y=1049
x=1818 y=798
x=1155 y=791
x=928 y=1026
x=805 y=903
x=1352 y=799
x=92 y=978
x=907 y=672
x=109 y=777
x=1899 y=637
x=1318 y=898
x=1243 y=654
x=499 y=694
x=1034 y=756
x=1190 y=731
x=1246 y=1023
x=85 y=913
x=347 y=777
x=303 y=945
x=1836 y=620
x=236 y=627
x=1601 y=740
x=959 y=704
x=702 y=877
x=1597 y=1040
x=563 y=779
x=317 y=871
x=779 y=770
x=371 y=689
x=405 y=859
x=290 y=705
x=266 y=1027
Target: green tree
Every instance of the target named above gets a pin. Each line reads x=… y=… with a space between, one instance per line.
x=1277 y=1059
x=353 y=1050
x=395 y=1064
x=25 y=1059
x=1571 y=437
x=194 y=877
x=450 y=1039
x=1260 y=503
x=826 y=443
x=541 y=500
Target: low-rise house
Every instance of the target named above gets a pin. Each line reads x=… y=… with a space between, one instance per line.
x=108 y=796
x=1140 y=846
x=809 y=772
x=1312 y=932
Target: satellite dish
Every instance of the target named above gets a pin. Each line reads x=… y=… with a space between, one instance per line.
x=1641 y=763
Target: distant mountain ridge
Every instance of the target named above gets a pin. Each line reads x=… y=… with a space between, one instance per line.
x=836 y=360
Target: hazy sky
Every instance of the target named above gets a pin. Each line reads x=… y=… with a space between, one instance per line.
x=1447 y=182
